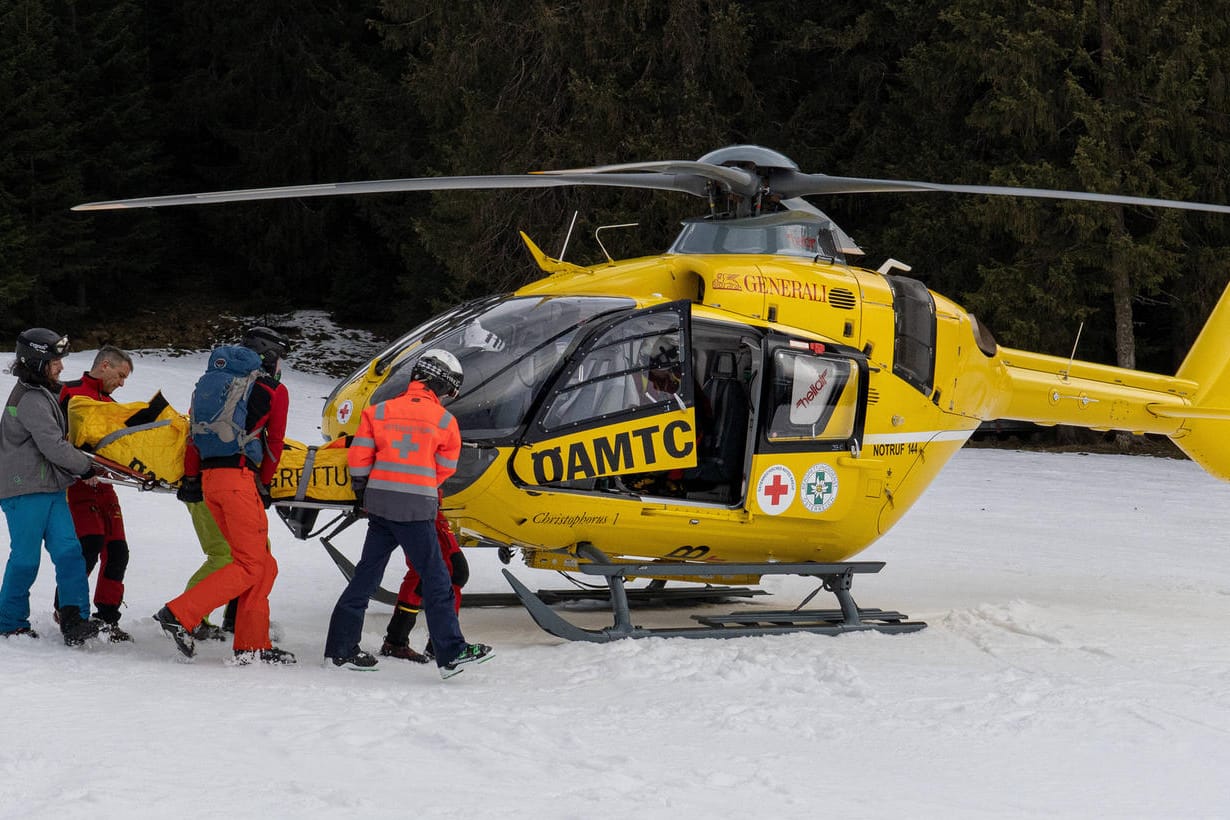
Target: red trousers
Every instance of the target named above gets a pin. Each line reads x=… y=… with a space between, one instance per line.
x=230 y=493
x=100 y=528
x=410 y=592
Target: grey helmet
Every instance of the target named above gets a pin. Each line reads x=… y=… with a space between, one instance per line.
x=269 y=345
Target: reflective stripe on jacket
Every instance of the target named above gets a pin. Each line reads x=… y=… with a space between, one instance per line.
x=402 y=452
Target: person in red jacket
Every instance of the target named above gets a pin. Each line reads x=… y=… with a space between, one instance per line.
x=94 y=506
x=402 y=452
x=236 y=490
x=410 y=598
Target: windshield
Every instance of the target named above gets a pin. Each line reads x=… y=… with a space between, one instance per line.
x=507 y=351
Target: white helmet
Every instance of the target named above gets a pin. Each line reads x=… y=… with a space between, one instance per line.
x=440 y=371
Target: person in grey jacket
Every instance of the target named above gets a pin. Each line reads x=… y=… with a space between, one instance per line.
x=37 y=464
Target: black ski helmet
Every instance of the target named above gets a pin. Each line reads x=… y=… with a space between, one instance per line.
x=38 y=345
x=269 y=345
x=440 y=371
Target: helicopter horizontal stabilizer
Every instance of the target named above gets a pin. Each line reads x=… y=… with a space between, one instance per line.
x=546 y=263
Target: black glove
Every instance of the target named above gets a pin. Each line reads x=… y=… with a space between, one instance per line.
x=358 y=510
x=90 y=473
x=189 y=490
x=266 y=498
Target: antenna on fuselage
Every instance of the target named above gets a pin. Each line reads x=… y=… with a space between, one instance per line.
x=568 y=236
x=603 y=228
x=891 y=265
x=1063 y=374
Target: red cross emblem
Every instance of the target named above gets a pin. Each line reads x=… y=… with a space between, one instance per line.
x=775 y=490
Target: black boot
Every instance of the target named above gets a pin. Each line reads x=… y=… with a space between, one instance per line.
x=404 y=618
x=76 y=630
x=108 y=613
x=228 y=617
x=108 y=617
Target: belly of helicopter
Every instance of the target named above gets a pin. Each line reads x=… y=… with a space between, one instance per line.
x=795 y=507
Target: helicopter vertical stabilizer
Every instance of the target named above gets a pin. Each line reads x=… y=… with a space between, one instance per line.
x=1206 y=431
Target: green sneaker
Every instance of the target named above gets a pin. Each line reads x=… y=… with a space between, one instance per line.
x=471 y=653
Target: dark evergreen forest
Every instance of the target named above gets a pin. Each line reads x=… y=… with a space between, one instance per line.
x=103 y=99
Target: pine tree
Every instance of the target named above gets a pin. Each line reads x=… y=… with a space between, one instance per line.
x=1078 y=95
x=515 y=86
x=37 y=173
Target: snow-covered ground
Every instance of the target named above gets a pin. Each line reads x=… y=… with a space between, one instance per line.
x=1077 y=664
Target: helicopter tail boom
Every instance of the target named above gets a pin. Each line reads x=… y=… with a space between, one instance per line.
x=1052 y=390
x=1192 y=407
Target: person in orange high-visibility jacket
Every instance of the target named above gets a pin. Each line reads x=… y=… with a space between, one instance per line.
x=402 y=452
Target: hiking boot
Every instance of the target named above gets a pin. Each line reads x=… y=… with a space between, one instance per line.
x=360 y=661
x=19 y=632
x=112 y=631
x=205 y=631
x=392 y=650
x=229 y=614
x=272 y=656
x=472 y=653
x=176 y=631
x=75 y=629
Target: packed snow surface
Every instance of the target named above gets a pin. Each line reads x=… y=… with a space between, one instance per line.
x=1077 y=664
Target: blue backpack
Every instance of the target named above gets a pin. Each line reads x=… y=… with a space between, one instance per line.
x=219 y=412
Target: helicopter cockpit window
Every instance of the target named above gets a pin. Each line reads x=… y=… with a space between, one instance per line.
x=782 y=234
x=507 y=352
x=813 y=397
x=636 y=364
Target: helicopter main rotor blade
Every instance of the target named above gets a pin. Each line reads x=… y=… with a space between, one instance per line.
x=734 y=179
x=796 y=184
x=685 y=183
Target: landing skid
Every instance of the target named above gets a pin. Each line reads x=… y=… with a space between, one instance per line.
x=836 y=578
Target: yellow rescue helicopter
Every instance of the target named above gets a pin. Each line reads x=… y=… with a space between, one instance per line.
x=749 y=402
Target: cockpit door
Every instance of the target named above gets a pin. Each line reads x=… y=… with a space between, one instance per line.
x=624 y=403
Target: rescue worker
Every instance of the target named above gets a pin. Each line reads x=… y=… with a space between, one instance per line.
x=94 y=506
x=410 y=598
x=36 y=465
x=403 y=451
x=236 y=491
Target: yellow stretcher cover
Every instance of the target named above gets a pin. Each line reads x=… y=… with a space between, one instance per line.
x=313 y=473
x=148 y=436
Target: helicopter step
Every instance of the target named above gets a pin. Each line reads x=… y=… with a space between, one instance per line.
x=834 y=577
